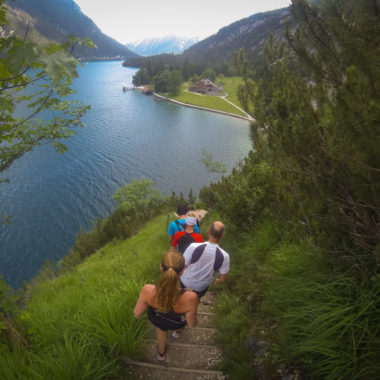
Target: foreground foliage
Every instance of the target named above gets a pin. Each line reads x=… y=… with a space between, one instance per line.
x=33 y=81
x=292 y=309
x=305 y=204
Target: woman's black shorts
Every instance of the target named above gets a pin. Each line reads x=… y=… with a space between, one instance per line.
x=168 y=321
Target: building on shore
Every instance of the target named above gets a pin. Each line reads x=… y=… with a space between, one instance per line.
x=206 y=87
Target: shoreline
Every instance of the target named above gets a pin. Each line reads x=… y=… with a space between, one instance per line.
x=202 y=108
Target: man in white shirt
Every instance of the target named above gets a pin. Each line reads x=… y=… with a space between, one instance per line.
x=203 y=260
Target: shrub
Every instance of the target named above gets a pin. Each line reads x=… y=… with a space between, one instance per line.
x=136 y=202
x=244 y=196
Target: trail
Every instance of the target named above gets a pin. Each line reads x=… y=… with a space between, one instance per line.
x=193 y=355
x=248 y=118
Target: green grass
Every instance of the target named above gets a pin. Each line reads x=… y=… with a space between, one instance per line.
x=313 y=315
x=81 y=322
x=329 y=322
x=231 y=85
x=208 y=101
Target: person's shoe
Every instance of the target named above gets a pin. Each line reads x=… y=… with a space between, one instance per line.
x=161 y=357
x=176 y=334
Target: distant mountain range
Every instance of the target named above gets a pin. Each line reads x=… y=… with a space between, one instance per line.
x=154 y=46
x=54 y=20
x=250 y=33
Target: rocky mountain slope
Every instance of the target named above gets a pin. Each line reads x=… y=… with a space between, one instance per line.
x=56 y=20
x=249 y=33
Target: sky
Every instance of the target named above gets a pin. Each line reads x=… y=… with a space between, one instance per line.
x=128 y=21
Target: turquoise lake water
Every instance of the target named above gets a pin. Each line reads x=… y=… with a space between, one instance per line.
x=128 y=135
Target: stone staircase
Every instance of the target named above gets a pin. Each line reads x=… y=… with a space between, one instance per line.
x=192 y=356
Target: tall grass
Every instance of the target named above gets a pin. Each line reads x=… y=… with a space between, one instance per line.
x=299 y=303
x=327 y=320
x=80 y=323
x=232 y=322
x=238 y=308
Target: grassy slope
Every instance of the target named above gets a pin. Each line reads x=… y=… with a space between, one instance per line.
x=82 y=321
x=213 y=102
x=231 y=85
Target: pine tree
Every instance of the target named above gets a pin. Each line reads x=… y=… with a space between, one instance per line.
x=247 y=90
x=319 y=125
x=191 y=197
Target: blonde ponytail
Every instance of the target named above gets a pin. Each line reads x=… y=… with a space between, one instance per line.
x=168 y=288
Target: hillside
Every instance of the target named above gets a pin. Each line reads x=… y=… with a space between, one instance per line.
x=249 y=33
x=83 y=320
x=56 y=20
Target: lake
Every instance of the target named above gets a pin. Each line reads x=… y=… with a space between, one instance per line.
x=128 y=135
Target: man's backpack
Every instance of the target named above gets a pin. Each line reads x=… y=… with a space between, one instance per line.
x=198 y=252
x=181 y=226
x=184 y=241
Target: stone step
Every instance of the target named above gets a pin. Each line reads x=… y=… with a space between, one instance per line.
x=182 y=355
x=192 y=356
x=143 y=371
x=205 y=306
x=196 y=335
x=210 y=296
x=207 y=303
x=205 y=319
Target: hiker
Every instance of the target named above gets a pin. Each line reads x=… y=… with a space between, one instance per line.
x=179 y=224
x=203 y=260
x=190 y=207
x=182 y=239
x=169 y=307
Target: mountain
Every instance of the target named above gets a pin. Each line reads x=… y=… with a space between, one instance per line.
x=55 y=20
x=249 y=33
x=154 y=46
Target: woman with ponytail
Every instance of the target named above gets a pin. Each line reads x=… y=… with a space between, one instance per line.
x=168 y=306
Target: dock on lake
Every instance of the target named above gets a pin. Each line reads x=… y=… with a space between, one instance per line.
x=143 y=89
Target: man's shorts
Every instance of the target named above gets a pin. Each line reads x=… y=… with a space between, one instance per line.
x=199 y=293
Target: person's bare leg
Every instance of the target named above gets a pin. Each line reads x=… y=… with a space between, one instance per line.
x=161 y=340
